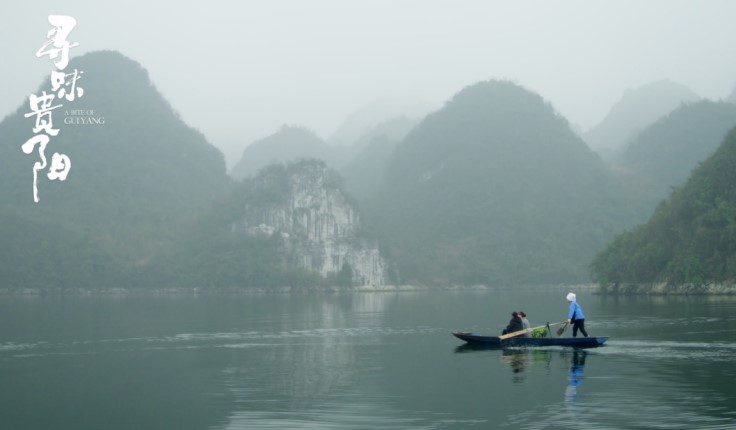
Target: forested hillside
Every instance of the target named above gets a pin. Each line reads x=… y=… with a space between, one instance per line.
x=690 y=238
x=495 y=188
x=136 y=182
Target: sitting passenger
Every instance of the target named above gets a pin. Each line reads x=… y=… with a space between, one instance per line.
x=524 y=323
x=514 y=325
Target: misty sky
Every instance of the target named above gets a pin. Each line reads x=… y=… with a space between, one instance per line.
x=239 y=70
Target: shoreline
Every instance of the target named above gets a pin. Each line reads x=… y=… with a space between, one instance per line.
x=667 y=289
x=623 y=289
x=173 y=291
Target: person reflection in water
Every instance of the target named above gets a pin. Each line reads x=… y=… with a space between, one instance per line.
x=517 y=361
x=575 y=377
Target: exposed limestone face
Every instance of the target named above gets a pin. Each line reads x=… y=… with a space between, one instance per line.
x=319 y=226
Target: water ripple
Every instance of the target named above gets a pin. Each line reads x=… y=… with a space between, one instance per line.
x=234 y=339
x=715 y=351
x=621 y=408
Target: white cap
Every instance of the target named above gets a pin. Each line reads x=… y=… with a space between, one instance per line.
x=570 y=297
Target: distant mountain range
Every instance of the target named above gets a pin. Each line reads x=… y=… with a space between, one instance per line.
x=287 y=144
x=290 y=144
x=637 y=109
x=662 y=155
x=364 y=120
x=493 y=188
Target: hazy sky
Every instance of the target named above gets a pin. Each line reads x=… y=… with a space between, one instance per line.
x=238 y=70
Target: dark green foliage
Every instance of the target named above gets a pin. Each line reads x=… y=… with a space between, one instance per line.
x=136 y=183
x=345 y=276
x=691 y=238
x=220 y=261
x=147 y=202
x=271 y=187
x=221 y=253
x=213 y=257
x=496 y=188
x=40 y=252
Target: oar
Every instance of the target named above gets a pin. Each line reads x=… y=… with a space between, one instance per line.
x=526 y=330
x=561 y=329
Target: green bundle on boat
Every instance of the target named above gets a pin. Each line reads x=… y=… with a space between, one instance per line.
x=541 y=332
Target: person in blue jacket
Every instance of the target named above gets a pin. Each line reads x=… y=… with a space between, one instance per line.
x=575 y=316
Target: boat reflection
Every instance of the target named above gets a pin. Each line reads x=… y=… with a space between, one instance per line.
x=520 y=359
x=472 y=347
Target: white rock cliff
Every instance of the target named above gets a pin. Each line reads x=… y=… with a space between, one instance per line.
x=320 y=228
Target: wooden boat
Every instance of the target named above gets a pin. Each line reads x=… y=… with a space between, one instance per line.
x=495 y=341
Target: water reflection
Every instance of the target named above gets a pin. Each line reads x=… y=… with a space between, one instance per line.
x=308 y=378
x=363 y=361
x=472 y=347
x=575 y=377
x=517 y=361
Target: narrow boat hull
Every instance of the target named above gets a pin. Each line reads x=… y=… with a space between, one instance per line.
x=575 y=342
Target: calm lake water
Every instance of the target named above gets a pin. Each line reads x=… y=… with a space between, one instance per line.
x=361 y=361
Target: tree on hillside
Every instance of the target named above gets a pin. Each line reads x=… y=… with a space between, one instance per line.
x=691 y=237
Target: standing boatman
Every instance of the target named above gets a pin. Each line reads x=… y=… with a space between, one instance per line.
x=575 y=316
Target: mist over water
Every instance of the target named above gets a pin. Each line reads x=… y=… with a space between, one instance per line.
x=482 y=143
x=360 y=361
